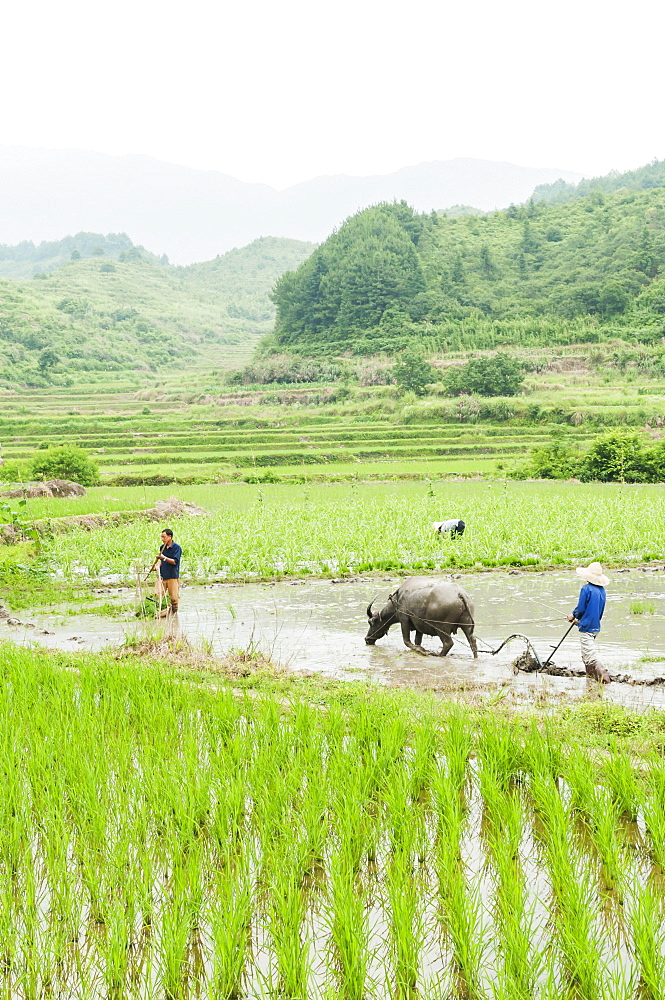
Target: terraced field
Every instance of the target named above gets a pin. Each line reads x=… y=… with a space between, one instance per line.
x=192 y=441
x=188 y=426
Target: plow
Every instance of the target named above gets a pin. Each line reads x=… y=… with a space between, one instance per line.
x=530 y=662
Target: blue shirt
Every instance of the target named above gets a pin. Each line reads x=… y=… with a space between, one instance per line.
x=590 y=607
x=166 y=570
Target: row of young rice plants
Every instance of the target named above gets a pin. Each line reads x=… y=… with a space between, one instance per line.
x=161 y=840
x=266 y=531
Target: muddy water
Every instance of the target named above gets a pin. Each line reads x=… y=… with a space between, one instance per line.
x=319 y=626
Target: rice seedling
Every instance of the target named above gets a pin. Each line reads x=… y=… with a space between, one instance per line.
x=619 y=774
x=648 y=935
x=642 y=608
x=115 y=945
x=219 y=845
x=347 y=919
x=287 y=913
x=458 y=902
x=386 y=528
x=230 y=918
x=653 y=810
x=520 y=965
x=406 y=928
x=501 y=752
x=601 y=816
x=456 y=748
x=173 y=939
x=575 y=908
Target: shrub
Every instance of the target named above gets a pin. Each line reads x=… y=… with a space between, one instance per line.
x=413 y=374
x=618 y=457
x=497 y=376
x=373 y=374
x=285 y=369
x=13 y=472
x=553 y=461
x=65 y=462
x=615 y=457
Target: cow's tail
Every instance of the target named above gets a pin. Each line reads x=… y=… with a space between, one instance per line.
x=468 y=629
x=468 y=609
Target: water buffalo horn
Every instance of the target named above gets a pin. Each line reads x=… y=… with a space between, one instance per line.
x=369 y=607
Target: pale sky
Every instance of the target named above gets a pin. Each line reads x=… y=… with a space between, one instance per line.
x=281 y=92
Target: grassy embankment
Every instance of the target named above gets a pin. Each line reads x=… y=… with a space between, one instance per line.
x=319 y=840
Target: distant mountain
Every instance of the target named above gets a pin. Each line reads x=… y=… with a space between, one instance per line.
x=192 y=215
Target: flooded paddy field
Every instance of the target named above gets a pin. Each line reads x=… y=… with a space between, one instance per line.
x=319 y=626
x=249 y=848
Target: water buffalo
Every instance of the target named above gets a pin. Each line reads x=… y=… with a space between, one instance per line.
x=425 y=606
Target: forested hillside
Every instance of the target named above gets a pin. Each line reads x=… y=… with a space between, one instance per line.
x=643 y=179
x=582 y=271
x=133 y=313
x=26 y=260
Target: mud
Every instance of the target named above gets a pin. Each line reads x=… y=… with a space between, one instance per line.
x=319 y=626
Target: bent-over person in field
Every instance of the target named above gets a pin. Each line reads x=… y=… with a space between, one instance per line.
x=455 y=526
x=587 y=615
x=168 y=577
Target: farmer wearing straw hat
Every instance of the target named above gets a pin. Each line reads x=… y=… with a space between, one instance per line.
x=587 y=615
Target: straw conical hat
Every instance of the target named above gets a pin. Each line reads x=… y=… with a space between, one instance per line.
x=593 y=574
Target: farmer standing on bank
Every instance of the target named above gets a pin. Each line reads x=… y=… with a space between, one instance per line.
x=587 y=615
x=168 y=578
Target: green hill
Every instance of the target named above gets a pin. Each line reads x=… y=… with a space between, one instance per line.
x=643 y=179
x=245 y=277
x=584 y=271
x=101 y=315
x=26 y=260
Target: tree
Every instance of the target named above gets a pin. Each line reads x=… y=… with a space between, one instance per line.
x=75 y=255
x=48 y=359
x=342 y=291
x=497 y=376
x=486 y=263
x=65 y=462
x=613 y=299
x=412 y=373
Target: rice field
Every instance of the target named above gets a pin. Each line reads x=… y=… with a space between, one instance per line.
x=270 y=531
x=164 y=839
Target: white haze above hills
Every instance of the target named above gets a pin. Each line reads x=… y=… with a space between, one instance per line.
x=193 y=215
